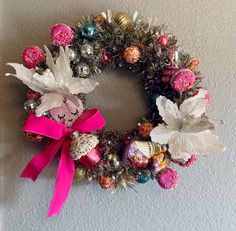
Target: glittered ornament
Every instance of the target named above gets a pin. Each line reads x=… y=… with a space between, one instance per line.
x=99 y=19
x=79 y=174
x=87 y=51
x=143 y=178
x=168 y=178
x=123 y=20
x=83 y=69
x=132 y=54
x=192 y=65
x=163 y=40
x=144 y=129
x=105 y=58
x=33 y=56
x=30 y=106
x=168 y=73
x=62 y=35
x=183 y=80
x=32 y=95
x=107 y=182
x=88 y=30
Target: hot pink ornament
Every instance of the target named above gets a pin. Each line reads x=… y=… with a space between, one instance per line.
x=163 y=40
x=168 y=73
x=67 y=113
x=183 y=80
x=62 y=35
x=32 y=56
x=168 y=178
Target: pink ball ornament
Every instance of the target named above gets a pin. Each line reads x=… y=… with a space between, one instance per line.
x=183 y=80
x=32 y=56
x=163 y=40
x=168 y=178
x=62 y=35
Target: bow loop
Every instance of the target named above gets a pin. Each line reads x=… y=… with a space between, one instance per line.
x=89 y=121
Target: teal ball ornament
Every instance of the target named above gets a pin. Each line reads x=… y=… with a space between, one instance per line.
x=143 y=178
x=88 y=30
x=154 y=97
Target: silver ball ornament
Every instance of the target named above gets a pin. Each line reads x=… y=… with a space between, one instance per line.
x=87 y=51
x=30 y=106
x=83 y=69
x=112 y=161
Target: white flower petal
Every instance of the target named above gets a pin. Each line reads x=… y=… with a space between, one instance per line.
x=26 y=76
x=50 y=61
x=193 y=106
x=201 y=94
x=168 y=110
x=47 y=80
x=49 y=101
x=63 y=70
x=80 y=85
x=203 y=143
x=195 y=125
x=161 y=134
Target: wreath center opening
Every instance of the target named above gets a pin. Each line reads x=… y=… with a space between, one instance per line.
x=121 y=99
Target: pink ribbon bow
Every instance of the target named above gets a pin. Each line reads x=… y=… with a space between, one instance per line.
x=89 y=121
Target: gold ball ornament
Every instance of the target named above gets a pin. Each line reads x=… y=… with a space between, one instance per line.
x=144 y=129
x=123 y=20
x=132 y=54
x=79 y=174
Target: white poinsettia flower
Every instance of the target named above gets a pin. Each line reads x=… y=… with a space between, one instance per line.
x=56 y=83
x=185 y=130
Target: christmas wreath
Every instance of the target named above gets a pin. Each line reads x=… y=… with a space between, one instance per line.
x=174 y=130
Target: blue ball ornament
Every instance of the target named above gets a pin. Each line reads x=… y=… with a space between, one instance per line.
x=143 y=179
x=88 y=30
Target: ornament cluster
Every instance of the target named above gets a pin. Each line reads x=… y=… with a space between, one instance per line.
x=170 y=77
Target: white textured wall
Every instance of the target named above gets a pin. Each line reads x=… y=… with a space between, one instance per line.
x=205 y=197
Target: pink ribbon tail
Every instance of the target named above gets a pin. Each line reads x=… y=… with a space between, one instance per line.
x=38 y=163
x=64 y=180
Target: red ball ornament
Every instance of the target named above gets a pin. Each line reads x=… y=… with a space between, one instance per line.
x=107 y=182
x=163 y=40
x=33 y=56
x=105 y=58
x=62 y=35
x=34 y=137
x=32 y=95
